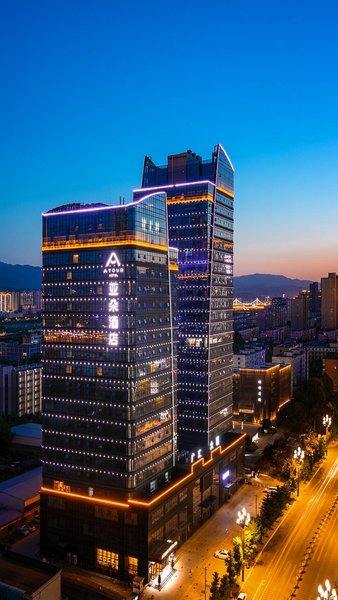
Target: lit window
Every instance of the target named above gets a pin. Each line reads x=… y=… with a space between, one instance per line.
x=69 y=369
x=75 y=259
x=69 y=274
x=107 y=559
x=132 y=565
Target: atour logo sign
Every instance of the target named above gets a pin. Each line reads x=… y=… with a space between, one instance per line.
x=113 y=270
x=113 y=265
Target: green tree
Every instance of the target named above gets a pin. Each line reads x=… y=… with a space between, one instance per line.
x=230 y=563
x=238 y=554
x=252 y=536
x=224 y=588
x=214 y=588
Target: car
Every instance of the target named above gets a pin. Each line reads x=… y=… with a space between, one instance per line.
x=221 y=554
x=242 y=596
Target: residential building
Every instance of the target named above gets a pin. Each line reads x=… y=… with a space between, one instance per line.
x=249 y=358
x=294 y=356
x=20 y=390
x=5 y=302
x=315 y=299
x=329 y=302
x=200 y=195
x=300 y=311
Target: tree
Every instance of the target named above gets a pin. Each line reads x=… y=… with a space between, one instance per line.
x=214 y=588
x=230 y=563
x=238 y=554
x=224 y=588
x=252 y=536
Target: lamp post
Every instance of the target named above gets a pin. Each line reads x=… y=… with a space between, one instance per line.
x=243 y=519
x=327 y=423
x=328 y=593
x=298 y=457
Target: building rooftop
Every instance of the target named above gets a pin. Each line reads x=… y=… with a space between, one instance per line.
x=23 y=486
x=33 y=430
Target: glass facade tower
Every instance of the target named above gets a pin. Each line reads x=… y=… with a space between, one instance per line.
x=109 y=389
x=200 y=197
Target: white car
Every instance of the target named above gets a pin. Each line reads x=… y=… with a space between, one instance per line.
x=242 y=596
x=221 y=554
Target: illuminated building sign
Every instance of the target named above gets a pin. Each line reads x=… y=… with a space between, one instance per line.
x=196 y=455
x=225 y=475
x=113 y=269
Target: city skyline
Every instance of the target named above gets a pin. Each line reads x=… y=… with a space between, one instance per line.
x=88 y=87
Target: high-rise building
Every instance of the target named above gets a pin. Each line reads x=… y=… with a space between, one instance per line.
x=108 y=390
x=5 y=302
x=115 y=496
x=300 y=310
x=278 y=313
x=329 y=304
x=200 y=195
x=315 y=299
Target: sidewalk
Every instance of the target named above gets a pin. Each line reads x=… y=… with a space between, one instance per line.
x=195 y=560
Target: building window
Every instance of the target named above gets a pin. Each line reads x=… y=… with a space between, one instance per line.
x=99 y=371
x=106 y=559
x=132 y=565
x=69 y=369
x=60 y=486
x=75 y=259
x=69 y=275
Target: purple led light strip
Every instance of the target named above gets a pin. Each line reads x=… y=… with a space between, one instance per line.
x=96 y=208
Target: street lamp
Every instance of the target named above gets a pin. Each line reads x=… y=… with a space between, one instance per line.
x=298 y=457
x=327 y=423
x=243 y=519
x=327 y=594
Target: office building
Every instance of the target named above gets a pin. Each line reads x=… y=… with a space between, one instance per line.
x=260 y=392
x=200 y=197
x=114 y=494
x=329 y=302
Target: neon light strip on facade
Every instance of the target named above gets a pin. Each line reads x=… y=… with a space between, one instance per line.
x=201 y=461
x=70 y=245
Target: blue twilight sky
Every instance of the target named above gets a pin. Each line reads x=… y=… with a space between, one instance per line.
x=89 y=87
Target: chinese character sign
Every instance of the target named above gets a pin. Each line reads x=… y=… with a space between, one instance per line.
x=113 y=269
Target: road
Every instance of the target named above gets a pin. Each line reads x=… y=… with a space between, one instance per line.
x=302 y=551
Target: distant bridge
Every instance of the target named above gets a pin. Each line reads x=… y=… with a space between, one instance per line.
x=256 y=304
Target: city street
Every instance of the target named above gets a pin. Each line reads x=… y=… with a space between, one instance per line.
x=303 y=544
x=302 y=551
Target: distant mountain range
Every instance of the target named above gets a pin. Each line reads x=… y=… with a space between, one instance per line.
x=19 y=277
x=246 y=287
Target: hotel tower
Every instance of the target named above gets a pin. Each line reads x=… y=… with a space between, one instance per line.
x=200 y=195
x=117 y=497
